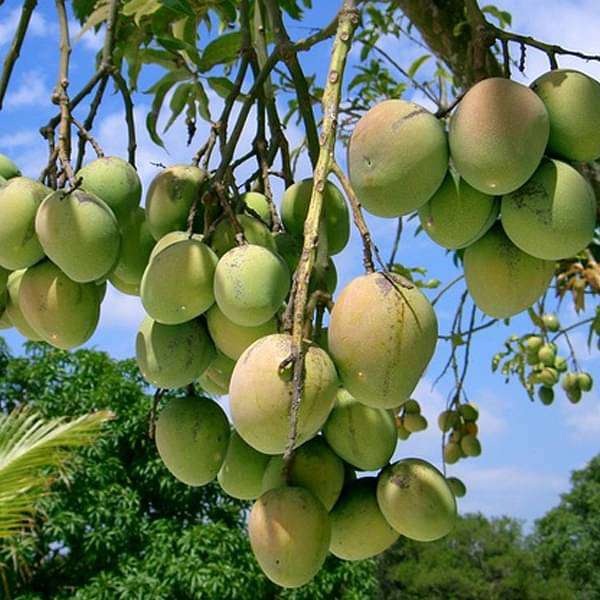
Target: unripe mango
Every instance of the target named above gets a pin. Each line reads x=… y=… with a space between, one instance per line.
x=289 y=533
x=358 y=528
x=4 y=273
x=13 y=310
x=242 y=471
x=397 y=158
x=131 y=289
x=294 y=208
x=502 y=279
x=63 y=312
x=79 y=233
x=19 y=202
x=8 y=169
x=382 y=334
x=458 y=215
x=171 y=196
x=498 y=135
x=314 y=467
x=219 y=371
x=211 y=387
x=289 y=248
x=191 y=437
x=364 y=437
x=459 y=489
x=171 y=356
x=416 y=500
x=250 y=284
x=177 y=284
x=260 y=394
x=259 y=204
x=255 y=232
x=553 y=215
x=115 y=181
x=572 y=100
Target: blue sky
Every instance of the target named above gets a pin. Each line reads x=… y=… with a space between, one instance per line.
x=529 y=449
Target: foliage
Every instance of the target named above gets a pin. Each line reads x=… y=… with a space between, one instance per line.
x=120 y=526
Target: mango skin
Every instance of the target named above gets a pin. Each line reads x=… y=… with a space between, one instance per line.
x=289 y=532
x=415 y=500
x=572 y=100
x=358 y=528
x=4 y=273
x=250 y=284
x=191 y=437
x=503 y=280
x=219 y=371
x=115 y=181
x=79 y=233
x=255 y=232
x=498 y=134
x=315 y=467
x=382 y=335
x=397 y=158
x=136 y=245
x=172 y=356
x=289 y=248
x=458 y=215
x=170 y=197
x=242 y=471
x=13 y=310
x=177 y=284
x=63 y=312
x=294 y=208
x=211 y=387
x=233 y=339
x=363 y=436
x=130 y=289
x=4 y=319
x=260 y=205
x=553 y=215
x=259 y=396
x=8 y=169
x=19 y=202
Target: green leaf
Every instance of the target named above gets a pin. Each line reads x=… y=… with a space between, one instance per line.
x=504 y=18
x=221 y=50
x=97 y=17
x=202 y=99
x=138 y=9
x=221 y=85
x=417 y=64
x=178 y=102
x=179 y=6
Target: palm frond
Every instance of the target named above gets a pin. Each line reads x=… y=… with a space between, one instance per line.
x=31 y=448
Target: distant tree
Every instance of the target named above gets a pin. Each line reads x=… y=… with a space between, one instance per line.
x=120 y=526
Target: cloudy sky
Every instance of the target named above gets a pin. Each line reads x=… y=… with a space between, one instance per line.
x=529 y=449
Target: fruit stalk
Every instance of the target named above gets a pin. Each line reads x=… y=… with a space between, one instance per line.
x=348 y=20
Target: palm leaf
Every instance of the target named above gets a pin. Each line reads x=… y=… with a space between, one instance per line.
x=30 y=450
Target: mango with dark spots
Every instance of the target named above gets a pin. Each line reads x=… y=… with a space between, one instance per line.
x=397 y=158
x=261 y=391
x=255 y=232
x=553 y=216
x=415 y=500
x=382 y=334
x=502 y=279
x=191 y=437
x=498 y=134
x=289 y=533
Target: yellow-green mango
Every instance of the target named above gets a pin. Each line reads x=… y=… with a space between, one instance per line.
x=363 y=436
x=259 y=204
x=314 y=467
x=553 y=215
x=233 y=339
x=382 y=334
x=498 y=134
x=289 y=533
x=572 y=100
x=251 y=283
x=4 y=273
x=219 y=370
x=13 y=310
x=415 y=500
x=8 y=169
x=289 y=248
x=4 y=319
x=63 y=312
x=211 y=387
x=397 y=158
x=260 y=394
x=358 y=528
x=171 y=196
x=255 y=232
x=458 y=215
x=172 y=356
x=177 y=284
x=131 y=289
x=191 y=437
x=19 y=202
x=79 y=233
x=294 y=208
x=115 y=181
x=502 y=279
x=242 y=471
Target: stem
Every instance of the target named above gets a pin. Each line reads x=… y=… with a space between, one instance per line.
x=129 y=115
x=348 y=20
x=89 y=122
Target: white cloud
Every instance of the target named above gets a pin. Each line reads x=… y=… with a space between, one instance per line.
x=583 y=419
x=31 y=91
x=19 y=139
x=38 y=26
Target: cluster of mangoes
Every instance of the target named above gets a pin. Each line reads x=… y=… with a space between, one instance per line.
x=500 y=186
x=460 y=422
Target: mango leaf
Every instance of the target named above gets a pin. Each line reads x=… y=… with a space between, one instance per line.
x=83 y=9
x=221 y=85
x=417 y=64
x=178 y=102
x=504 y=18
x=138 y=9
x=202 y=100
x=179 y=6
x=223 y=49
x=98 y=16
